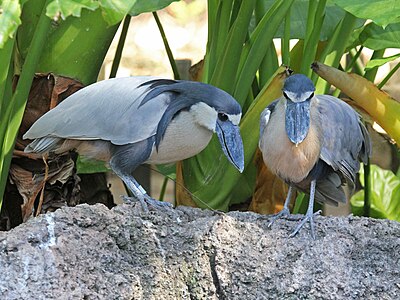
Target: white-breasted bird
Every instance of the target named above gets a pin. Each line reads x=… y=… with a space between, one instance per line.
x=134 y=120
x=314 y=143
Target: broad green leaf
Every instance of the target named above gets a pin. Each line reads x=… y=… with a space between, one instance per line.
x=298 y=20
x=385 y=194
x=376 y=38
x=68 y=8
x=380 y=62
x=10 y=12
x=115 y=10
x=76 y=47
x=142 y=6
x=382 y=12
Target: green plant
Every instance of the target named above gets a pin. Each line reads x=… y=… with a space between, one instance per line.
x=241 y=58
x=64 y=37
x=384 y=192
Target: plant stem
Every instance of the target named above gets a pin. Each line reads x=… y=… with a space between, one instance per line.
x=388 y=76
x=367 y=188
x=371 y=74
x=167 y=48
x=21 y=94
x=120 y=46
x=163 y=188
x=354 y=58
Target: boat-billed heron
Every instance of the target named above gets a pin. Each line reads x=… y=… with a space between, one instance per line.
x=314 y=143
x=134 y=120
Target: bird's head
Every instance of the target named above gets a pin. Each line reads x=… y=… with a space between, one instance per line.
x=210 y=107
x=221 y=113
x=298 y=91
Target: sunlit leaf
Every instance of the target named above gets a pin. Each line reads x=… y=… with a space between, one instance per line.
x=141 y=6
x=376 y=38
x=385 y=194
x=380 y=62
x=10 y=12
x=382 y=12
x=68 y=8
x=298 y=20
x=114 y=11
x=269 y=192
x=379 y=105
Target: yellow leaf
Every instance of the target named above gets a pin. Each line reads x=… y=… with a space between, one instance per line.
x=379 y=105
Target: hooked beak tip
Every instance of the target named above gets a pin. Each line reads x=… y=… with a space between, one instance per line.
x=232 y=145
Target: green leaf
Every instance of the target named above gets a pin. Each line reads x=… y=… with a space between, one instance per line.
x=381 y=61
x=114 y=11
x=377 y=38
x=68 y=8
x=385 y=195
x=298 y=20
x=10 y=12
x=142 y=6
x=76 y=47
x=382 y=12
x=168 y=170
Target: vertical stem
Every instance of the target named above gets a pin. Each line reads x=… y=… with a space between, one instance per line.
x=120 y=46
x=388 y=76
x=367 y=189
x=354 y=58
x=371 y=74
x=167 y=48
x=163 y=188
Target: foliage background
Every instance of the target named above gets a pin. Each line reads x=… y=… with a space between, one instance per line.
x=241 y=56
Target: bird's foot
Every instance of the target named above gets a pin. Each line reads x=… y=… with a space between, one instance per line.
x=308 y=217
x=156 y=203
x=146 y=201
x=283 y=213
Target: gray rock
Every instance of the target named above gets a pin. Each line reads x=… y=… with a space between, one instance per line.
x=90 y=252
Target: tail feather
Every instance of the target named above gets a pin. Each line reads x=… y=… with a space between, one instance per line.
x=43 y=145
x=330 y=190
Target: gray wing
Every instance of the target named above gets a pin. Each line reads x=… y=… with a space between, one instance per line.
x=345 y=139
x=265 y=116
x=109 y=110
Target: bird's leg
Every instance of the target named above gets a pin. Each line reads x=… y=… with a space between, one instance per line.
x=285 y=211
x=125 y=159
x=140 y=194
x=309 y=214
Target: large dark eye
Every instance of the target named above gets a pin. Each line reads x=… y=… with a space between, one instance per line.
x=285 y=95
x=223 y=117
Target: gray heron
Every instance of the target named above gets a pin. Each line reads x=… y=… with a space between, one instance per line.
x=134 y=120
x=314 y=143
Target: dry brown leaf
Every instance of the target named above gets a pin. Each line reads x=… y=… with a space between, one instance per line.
x=270 y=191
x=182 y=196
x=46 y=92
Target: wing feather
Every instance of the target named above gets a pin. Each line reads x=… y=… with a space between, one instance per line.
x=108 y=110
x=345 y=139
x=264 y=118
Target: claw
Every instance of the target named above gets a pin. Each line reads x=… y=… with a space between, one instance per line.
x=308 y=217
x=146 y=201
x=283 y=213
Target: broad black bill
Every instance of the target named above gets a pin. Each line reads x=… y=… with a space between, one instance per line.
x=297 y=120
x=231 y=143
